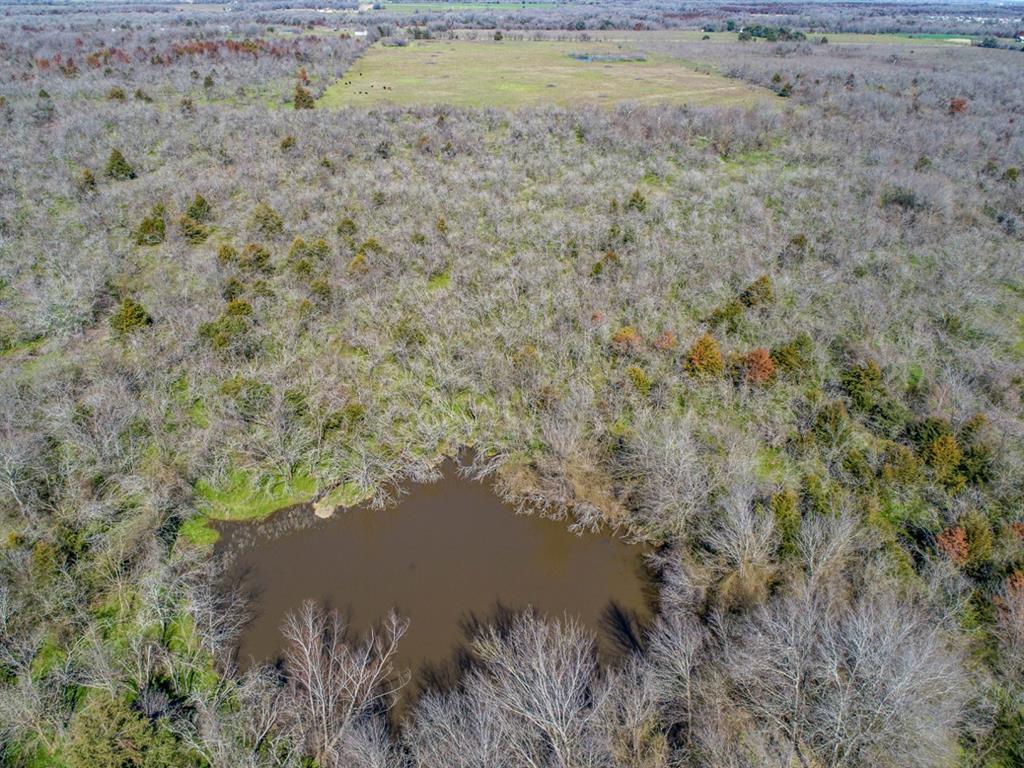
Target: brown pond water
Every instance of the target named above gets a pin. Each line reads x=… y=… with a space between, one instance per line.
x=446 y=551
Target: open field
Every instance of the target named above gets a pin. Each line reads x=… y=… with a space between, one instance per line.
x=696 y=35
x=520 y=73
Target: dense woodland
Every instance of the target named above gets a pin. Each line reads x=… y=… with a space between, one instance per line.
x=1003 y=20
x=782 y=345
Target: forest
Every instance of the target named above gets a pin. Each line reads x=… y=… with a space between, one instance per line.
x=774 y=340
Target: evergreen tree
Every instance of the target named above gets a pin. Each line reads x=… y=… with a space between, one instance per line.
x=118 y=168
x=303 y=98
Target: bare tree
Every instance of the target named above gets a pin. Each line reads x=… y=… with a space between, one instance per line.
x=873 y=683
x=334 y=684
x=459 y=729
x=543 y=675
x=628 y=727
x=246 y=723
x=670 y=471
x=678 y=642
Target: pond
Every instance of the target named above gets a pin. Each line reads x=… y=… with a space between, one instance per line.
x=446 y=552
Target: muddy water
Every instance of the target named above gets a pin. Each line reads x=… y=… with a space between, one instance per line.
x=448 y=550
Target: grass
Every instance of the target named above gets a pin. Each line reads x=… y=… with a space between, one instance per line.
x=922 y=39
x=696 y=35
x=518 y=73
x=245 y=495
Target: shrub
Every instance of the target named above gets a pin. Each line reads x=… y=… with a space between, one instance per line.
x=785 y=508
x=238 y=308
x=728 y=315
x=796 y=250
x=130 y=317
x=896 y=196
x=857 y=465
x=232 y=289
x=321 y=290
x=357 y=264
x=227 y=255
x=347 y=227
x=924 y=432
x=152 y=229
x=225 y=331
x=760 y=369
x=899 y=464
x=116 y=94
x=1015 y=585
x=303 y=256
x=255 y=258
x=943 y=455
x=639 y=378
x=193 y=232
x=627 y=339
x=118 y=168
x=978 y=464
x=608 y=260
x=199 y=209
x=287 y=143
x=705 y=357
x=758 y=292
x=972 y=428
x=637 y=202
x=141 y=95
x=108 y=732
x=266 y=221
x=952 y=542
x=87 y=181
x=832 y=423
x=665 y=341
x=498 y=36
x=957 y=106
x=795 y=356
x=303 y=99
x=980 y=540
x=888 y=417
x=862 y=383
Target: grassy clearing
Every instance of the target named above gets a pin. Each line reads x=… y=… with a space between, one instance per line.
x=523 y=73
x=908 y=39
x=842 y=38
x=245 y=495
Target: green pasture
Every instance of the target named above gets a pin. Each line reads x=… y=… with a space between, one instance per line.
x=517 y=73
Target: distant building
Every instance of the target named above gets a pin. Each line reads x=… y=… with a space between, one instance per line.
x=359 y=33
x=1020 y=37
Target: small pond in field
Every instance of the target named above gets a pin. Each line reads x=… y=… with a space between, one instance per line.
x=447 y=551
